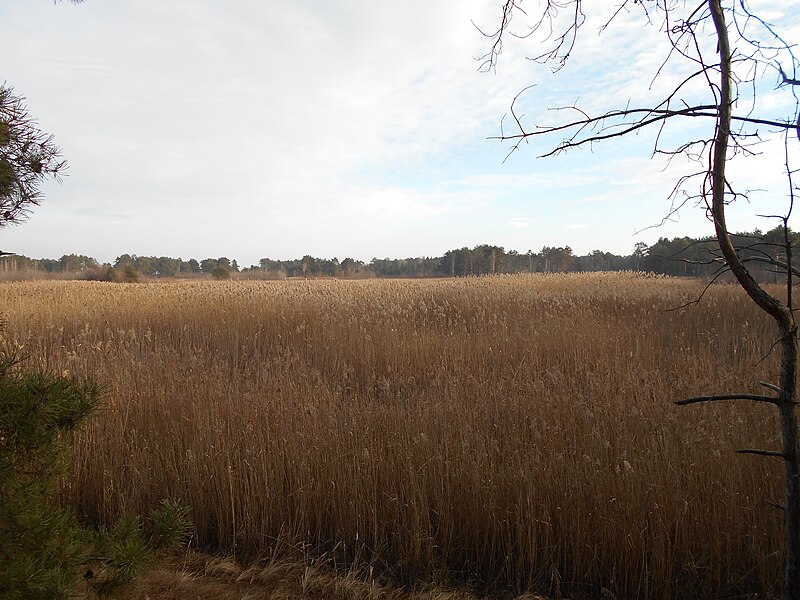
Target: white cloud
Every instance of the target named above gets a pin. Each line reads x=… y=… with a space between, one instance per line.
x=519 y=222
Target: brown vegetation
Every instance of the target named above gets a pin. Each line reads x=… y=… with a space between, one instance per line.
x=202 y=577
x=509 y=432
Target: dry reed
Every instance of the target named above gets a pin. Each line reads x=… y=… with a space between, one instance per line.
x=515 y=432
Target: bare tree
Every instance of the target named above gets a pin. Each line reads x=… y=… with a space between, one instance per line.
x=729 y=50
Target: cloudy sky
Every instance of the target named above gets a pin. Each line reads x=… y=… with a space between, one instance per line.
x=199 y=128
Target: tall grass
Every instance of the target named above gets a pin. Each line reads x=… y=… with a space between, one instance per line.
x=511 y=431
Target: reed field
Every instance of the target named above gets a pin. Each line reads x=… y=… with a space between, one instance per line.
x=507 y=434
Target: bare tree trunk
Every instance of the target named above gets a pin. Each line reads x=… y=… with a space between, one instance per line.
x=782 y=314
x=790 y=453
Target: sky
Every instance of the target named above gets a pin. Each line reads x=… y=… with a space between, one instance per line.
x=200 y=128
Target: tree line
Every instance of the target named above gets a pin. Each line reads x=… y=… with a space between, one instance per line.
x=680 y=256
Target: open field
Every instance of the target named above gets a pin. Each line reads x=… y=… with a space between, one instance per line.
x=509 y=433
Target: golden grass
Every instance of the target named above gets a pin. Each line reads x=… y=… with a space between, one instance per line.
x=202 y=577
x=515 y=432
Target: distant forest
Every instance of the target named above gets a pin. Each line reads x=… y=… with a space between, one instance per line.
x=684 y=256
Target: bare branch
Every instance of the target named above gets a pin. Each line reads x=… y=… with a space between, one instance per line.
x=761 y=452
x=771 y=386
x=697 y=300
x=788 y=80
x=718 y=398
x=771 y=261
x=649 y=116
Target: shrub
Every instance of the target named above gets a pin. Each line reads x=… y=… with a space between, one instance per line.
x=171 y=525
x=44 y=550
x=42 y=543
x=130 y=274
x=111 y=274
x=221 y=272
x=119 y=553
